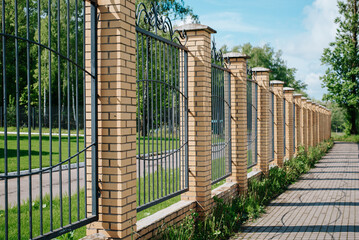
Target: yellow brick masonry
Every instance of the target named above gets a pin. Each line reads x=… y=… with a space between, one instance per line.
x=261 y=76
x=298 y=119
x=304 y=123
x=199 y=104
x=288 y=96
x=238 y=69
x=277 y=87
x=310 y=123
x=117 y=118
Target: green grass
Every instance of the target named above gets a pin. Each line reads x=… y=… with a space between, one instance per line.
x=43 y=130
x=35 y=144
x=78 y=233
x=151 y=144
x=168 y=181
x=216 y=185
x=345 y=138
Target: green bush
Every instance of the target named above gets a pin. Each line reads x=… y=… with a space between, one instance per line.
x=227 y=218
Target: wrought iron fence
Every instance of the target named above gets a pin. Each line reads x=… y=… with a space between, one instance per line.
x=284 y=127
x=252 y=123
x=294 y=126
x=43 y=190
x=162 y=109
x=271 y=126
x=221 y=117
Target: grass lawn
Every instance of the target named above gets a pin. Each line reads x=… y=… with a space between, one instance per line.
x=79 y=233
x=43 y=130
x=345 y=138
x=35 y=144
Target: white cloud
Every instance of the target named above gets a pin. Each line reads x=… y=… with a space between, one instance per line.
x=304 y=50
x=223 y=21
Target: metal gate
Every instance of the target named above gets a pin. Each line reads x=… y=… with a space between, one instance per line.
x=162 y=109
x=271 y=126
x=221 y=117
x=42 y=174
x=252 y=123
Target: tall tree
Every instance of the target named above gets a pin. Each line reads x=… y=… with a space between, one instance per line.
x=342 y=59
x=267 y=57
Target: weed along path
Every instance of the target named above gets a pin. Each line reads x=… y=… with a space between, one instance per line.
x=323 y=204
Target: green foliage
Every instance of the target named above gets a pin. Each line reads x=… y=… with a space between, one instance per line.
x=346 y=138
x=342 y=59
x=267 y=57
x=227 y=218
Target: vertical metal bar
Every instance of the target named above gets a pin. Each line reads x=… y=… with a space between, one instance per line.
x=84 y=101
x=17 y=123
x=186 y=114
x=284 y=113
x=172 y=122
x=229 y=123
x=156 y=85
x=148 y=120
x=59 y=108
x=143 y=120
x=256 y=124
x=29 y=112
x=138 y=140
x=293 y=126
x=175 y=119
x=152 y=134
x=77 y=111
x=5 y=120
x=50 y=112
x=68 y=106
x=165 y=110
x=40 y=117
x=94 y=108
x=161 y=120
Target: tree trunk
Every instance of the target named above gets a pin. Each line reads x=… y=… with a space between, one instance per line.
x=352 y=114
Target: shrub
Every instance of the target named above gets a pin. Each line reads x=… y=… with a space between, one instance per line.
x=227 y=218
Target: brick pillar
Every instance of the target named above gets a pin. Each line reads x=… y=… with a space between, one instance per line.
x=315 y=124
x=277 y=87
x=310 y=123
x=116 y=118
x=304 y=123
x=238 y=68
x=321 y=124
x=261 y=76
x=199 y=104
x=288 y=96
x=297 y=98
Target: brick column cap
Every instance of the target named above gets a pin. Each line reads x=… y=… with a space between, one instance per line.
x=231 y=55
x=260 y=69
x=195 y=27
x=309 y=101
x=304 y=98
x=297 y=95
x=288 y=89
x=276 y=82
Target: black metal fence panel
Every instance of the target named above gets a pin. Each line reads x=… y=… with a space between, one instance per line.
x=284 y=126
x=252 y=123
x=294 y=126
x=162 y=110
x=221 y=117
x=42 y=126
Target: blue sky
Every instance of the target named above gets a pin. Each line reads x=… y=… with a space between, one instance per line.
x=300 y=28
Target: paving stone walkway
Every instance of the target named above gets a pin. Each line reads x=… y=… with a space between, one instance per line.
x=324 y=204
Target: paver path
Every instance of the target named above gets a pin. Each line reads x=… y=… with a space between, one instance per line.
x=324 y=204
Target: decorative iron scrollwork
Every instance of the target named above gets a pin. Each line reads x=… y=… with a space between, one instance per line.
x=154 y=22
x=217 y=56
x=249 y=70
